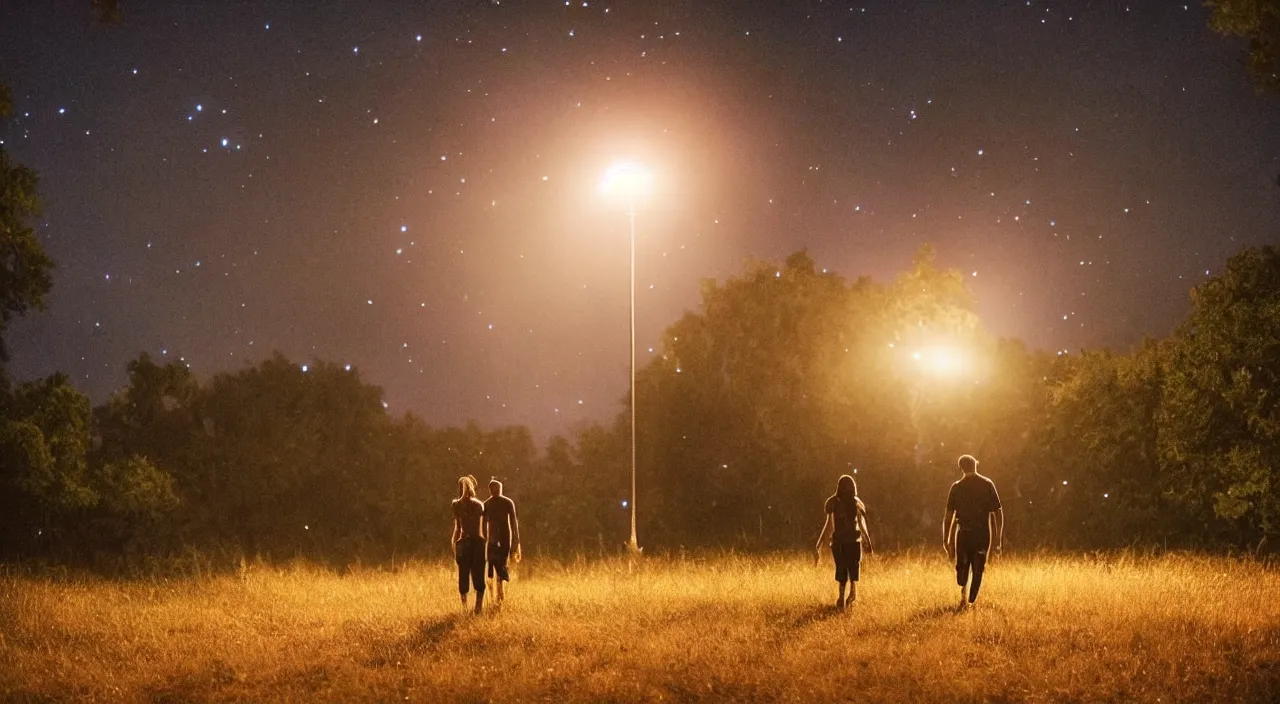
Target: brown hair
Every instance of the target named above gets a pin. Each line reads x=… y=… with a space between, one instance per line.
x=968 y=464
x=846 y=488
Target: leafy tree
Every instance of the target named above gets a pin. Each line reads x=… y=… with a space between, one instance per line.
x=155 y=415
x=575 y=500
x=131 y=523
x=279 y=460
x=1094 y=476
x=787 y=378
x=45 y=440
x=784 y=378
x=134 y=487
x=44 y=436
x=25 y=268
x=1219 y=434
x=106 y=11
x=286 y=456
x=1257 y=21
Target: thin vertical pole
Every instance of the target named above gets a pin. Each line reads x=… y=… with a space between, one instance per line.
x=634 y=545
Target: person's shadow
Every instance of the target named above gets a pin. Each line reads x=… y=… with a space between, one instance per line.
x=425 y=638
x=816 y=614
x=428 y=635
x=932 y=613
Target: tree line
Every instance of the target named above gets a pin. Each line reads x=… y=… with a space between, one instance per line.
x=783 y=379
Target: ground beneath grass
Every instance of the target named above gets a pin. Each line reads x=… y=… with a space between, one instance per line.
x=1049 y=629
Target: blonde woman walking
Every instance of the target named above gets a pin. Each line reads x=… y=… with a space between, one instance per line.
x=468 y=540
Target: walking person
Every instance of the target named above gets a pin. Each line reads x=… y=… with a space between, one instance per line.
x=846 y=527
x=503 y=532
x=468 y=540
x=966 y=527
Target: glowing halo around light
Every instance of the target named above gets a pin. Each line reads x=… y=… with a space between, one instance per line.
x=629 y=179
x=942 y=361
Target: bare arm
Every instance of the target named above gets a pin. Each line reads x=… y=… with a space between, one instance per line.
x=998 y=517
x=515 y=528
x=866 y=534
x=457 y=531
x=948 y=533
x=823 y=537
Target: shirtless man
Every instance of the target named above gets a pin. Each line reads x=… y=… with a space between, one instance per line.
x=503 y=530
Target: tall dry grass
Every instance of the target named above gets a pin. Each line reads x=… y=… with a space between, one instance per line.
x=725 y=628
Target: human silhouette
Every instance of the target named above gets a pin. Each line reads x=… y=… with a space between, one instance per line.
x=966 y=527
x=503 y=532
x=846 y=527
x=468 y=540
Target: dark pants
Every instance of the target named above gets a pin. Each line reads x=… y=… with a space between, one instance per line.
x=848 y=560
x=971 y=552
x=498 y=554
x=469 y=554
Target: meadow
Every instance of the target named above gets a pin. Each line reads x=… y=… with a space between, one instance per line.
x=1111 y=627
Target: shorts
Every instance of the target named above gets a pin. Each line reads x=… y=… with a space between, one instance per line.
x=848 y=560
x=498 y=555
x=469 y=554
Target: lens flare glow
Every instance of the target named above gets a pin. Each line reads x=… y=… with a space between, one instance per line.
x=942 y=361
x=627 y=179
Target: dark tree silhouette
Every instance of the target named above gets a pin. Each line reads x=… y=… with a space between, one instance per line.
x=1258 y=22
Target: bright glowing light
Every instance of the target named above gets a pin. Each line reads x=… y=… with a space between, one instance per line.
x=628 y=179
x=942 y=361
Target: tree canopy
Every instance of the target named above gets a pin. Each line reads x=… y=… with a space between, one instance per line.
x=785 y=377
x=1258 y=22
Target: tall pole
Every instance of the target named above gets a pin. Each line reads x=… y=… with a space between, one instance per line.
x=633 y=545
x=916 y=400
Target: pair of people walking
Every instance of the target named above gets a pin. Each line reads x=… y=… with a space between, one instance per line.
x=972 y=506
x=485 y=532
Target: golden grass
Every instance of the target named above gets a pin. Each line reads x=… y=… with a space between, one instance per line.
x=1113 y=628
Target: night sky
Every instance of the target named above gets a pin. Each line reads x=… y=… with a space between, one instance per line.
x=410 y=187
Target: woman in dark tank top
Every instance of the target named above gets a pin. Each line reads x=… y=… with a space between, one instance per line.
x=468 y=540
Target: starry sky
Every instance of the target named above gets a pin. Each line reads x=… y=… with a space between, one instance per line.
x=410 y=187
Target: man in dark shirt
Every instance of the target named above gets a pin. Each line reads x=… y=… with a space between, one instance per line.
x=504 y=534
x=966 y=530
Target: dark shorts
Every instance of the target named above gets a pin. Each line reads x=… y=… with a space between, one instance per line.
x=848 y=560
x=469 y=554
x=498 y=555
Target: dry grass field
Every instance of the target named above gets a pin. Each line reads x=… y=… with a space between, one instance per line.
x=725 y=628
